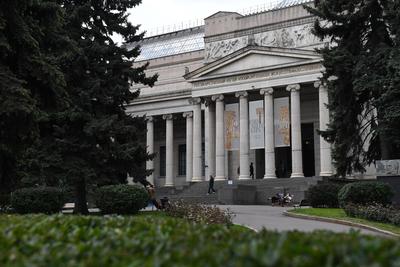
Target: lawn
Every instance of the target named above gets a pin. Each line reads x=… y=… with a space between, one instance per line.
x=154 y=239
x=341 y=215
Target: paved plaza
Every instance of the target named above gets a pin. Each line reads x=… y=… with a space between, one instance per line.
x=272 y=218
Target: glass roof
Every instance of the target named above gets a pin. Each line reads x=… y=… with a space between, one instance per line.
x=171 y=45
x=287 y=3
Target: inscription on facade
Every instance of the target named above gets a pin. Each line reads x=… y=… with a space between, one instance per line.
x=266 y=74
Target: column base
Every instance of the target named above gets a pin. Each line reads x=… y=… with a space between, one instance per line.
x=297 y=175
x=267 y=176
x=219 y=178
x=197 y=179
x=326 y=174
x=169 y=185
x=244 y=177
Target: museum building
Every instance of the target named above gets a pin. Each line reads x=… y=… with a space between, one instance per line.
x=236 y=91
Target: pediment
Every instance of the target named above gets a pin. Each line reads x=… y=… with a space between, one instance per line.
x=254 y=59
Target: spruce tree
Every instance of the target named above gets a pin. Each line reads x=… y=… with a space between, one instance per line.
x=94 y=141
x=355 y=63
x=31 y=81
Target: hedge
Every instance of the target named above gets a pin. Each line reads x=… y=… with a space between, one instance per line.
x=37 y=200
x=323 y=195
x=148 y=241
x=375 y=212
x=364 y=193
x=121 y=199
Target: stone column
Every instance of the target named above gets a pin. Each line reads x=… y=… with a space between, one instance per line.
x=189 y=145
x=219 y=137
x=297 y=157
x=169 y=150
x=325 y=147
x=244 y=135
x=211 y=138
x=269 y=141
x=197 y=140
x=150 y=147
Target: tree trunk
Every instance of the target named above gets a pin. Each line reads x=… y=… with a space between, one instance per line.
x=80 y=198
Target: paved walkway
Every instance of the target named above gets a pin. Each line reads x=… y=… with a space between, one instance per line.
x=272 y=218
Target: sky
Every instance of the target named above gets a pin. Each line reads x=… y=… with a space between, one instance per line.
x=157 y=16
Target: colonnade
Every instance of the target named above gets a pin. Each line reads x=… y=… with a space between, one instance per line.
x=215 y=111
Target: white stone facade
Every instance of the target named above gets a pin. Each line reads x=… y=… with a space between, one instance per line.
x=258 y=57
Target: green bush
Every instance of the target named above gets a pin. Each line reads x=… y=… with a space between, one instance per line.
x=324 y=195
x=374 y=212
x=199 y=213
x=121 y=199
x=150 y=241
x=364 y=193
x=37 y=200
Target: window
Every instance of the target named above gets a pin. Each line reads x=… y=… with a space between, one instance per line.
x=162 y=161
x=182 y=160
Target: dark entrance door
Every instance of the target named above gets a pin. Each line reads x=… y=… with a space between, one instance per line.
x=260 y=164
x=283 y=159
x=307 y=142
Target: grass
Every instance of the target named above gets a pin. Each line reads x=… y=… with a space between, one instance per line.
x=341 y=215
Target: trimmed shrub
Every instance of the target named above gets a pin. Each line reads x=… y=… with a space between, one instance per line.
x=121 y=199
x=161 y=241
x=37 y=200
x=199 y=213
x=364 y=193
x=324 y=195
x=375 y=212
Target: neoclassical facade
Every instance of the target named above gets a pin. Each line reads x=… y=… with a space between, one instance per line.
x=238 y=91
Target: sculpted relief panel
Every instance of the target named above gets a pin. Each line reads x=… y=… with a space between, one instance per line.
x=291 y=37
x=220 y=49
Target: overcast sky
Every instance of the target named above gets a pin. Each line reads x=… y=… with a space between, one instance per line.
x=163 y=14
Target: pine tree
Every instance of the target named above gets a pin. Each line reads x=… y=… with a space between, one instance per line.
x=94 y=141
x=30 y=79
x=355 y=63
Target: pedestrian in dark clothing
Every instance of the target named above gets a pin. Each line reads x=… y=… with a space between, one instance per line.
x=251 y=170
x=211 y=185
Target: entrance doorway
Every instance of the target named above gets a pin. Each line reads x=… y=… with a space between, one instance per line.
x=283 y=162
x=307 y=143
x=260 y=164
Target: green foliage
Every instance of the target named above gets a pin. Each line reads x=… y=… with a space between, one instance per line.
x=199 y=213
x=361 y=76
x=37 y=200
x=93 y=141
x=155 y=241
x=324 y=195
x=365 y=193
x=121 y=199
x=374 y=212
x=31 y=82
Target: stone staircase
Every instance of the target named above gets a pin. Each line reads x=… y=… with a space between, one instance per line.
x=197 y=192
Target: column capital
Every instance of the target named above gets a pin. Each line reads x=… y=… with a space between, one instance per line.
x=188 y=114
x=267 y=91
x=195 y=100
x=320 y=85
x=241 y=94
x=167 y=117
x=208 y=101
x=293 y=87
x=217 y=97
x=149 y=118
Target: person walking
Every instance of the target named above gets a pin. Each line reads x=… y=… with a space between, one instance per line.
x=211 y=185
x=251 y=170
